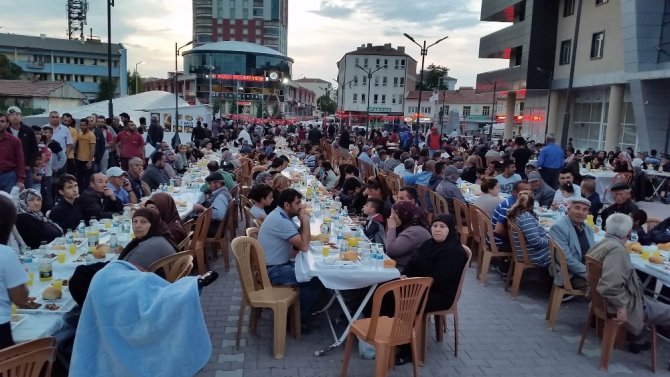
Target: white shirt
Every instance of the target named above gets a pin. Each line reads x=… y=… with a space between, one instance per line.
x=558 y=196
x=12 y=275
x=62 y=136
x=245 y=135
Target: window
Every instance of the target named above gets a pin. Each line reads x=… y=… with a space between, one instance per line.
x=400 y=99
x=355 y=97
x=486 y=110
x=67 y=60
x=402 y=81
x=376 y=80
x=355 y=62
x=568 y=8
x=245 y=14
x=245 y=22
x=258 y=12
x=395 y=81
x=374 y=98
x=365 y=62
x=566 y=49
x=355 y=80
x=377 y=65
x=446 y=110
x=365 y=80
x=232 y=12
x=384 y=82
x=426 y=110
x=402 y=63
x=258 y=31
x=601 y=2
x=383 y=98
x=386 y=63
x=597 y=45
x=245 y=32
x=396 y=63
x=466 y=111
x=258 y=41
x=95 y=79
x=362 y=98
x=232 y=31
x=393 y=99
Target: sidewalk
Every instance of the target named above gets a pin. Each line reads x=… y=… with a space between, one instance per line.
x=498 y=337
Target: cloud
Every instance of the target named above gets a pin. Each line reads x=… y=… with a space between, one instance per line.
x=331 y=9
x=427 y=13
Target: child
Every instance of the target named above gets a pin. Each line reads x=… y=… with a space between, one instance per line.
x=262 y=196
x=588 y=187
x=567 y=193
x=374 y=223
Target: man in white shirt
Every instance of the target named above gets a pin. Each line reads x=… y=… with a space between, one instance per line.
x=508 y=177
x=566 y=177
x=61 y=134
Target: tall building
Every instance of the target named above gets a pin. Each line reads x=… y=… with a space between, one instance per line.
x=264 y=22
x=393 y=77
x=606 y=88
x=81 y=63
x=318 y=86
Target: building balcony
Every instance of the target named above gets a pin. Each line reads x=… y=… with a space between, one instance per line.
x=502 y=10
x=499 y=44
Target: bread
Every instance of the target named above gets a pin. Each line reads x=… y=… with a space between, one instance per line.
x=320 y=237
x=636 y=247
x=664 y=246
x=350 y=256
x=656 y=259
x=100 y=251
x=389 y=263
x=51 y=293
x=58 y=247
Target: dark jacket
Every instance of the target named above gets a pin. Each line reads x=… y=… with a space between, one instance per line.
x=155 y=134
x=29 y=144
x=93 y=205
x=596 y=204
x=154 y=176
x=100 y=141
x=345 y=139
x=625 y=208
x=34 y=231
x=67 y=215
x=198 y=134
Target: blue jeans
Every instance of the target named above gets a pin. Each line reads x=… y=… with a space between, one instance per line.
x=284 y=274
x=7 y=181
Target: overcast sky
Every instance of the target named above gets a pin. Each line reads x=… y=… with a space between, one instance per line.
x=320 y=31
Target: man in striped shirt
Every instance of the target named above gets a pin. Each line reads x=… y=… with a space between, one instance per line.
x=499 y=218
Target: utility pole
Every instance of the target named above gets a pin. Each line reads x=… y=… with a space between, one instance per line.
x=369 y=72
x=110 y=89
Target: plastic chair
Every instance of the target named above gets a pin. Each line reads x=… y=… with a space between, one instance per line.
x=560 y=266
x=34 y=363
x=174 y=266
x=440 y=316
x=385 y=333
x=199 y=238
x=489 y=249
x=185 y=242
x=475 y=245
x=440 y=204
x=598 y=309
x=252 y=232
x=651 y=224
x=225 y=231
x=259 y=293
x=520 y=265
x=463 y=223
x=26 y=347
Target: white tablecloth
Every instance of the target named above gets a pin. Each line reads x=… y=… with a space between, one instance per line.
x=337 y=277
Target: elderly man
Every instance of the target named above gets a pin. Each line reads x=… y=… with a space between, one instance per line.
x=28 y=143
x=575 y=239
x=218 y=201
x=448 y=188
x=622 y=202
x=12 y=165
x=121 y=186
x=98 y=200
x=135 y=171
x=543 y=193
x=620 y=286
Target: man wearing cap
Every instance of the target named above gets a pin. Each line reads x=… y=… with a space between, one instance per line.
x=155 y=174
x=448 y=188
x=622 y=202
x=543 y=193
x=433 y=141
x=575 y=239
x=12 y=165
x=218 y=201
x=550 y=162
x=28 y=143
x=121 y=186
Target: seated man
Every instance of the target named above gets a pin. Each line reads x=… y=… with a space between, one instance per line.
x=155 y=174
x=98 y=200
x=448 y=188
x=622 y=202
x=567 y=176
x=135 y=171
x=218 y=200
x=282 y=240
x=588 y=187
x=499 y=218
x=508 y=177
x=543 y=193
x=67 y=213
x=575 y=239
x=408 y=194
x=121 y=186
x=620 y=286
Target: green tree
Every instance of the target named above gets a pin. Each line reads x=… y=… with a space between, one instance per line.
x=326 y=104
x=104 y=89
x=135 y=83
x=432 y=78
x=9 y=70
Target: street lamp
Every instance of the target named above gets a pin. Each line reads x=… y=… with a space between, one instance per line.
x=424 y=52
x=369 y=71
x=176 y=85
x=210 y=68
x=110 y=89
x=137 y=78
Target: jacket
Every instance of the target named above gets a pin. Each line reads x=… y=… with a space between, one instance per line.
x=155 y=134
x=67 y=215
x=565 y=235
x=374 y=229
x=29 y=144
x=92 y=205
x=154 y=177
x=402 y=246
x=619 y=284
x=544 y=194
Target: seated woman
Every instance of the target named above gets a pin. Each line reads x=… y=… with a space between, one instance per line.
x=227 y=157
x=32 y=225
x=326 y=175
x=262 y=195
x=346 y=171
x=407 y=230
x=376 y=187
x=263 y=178
x=470 y=171
x=167 y=208
x=151 y=241
x=489 y=199
x=537 y=239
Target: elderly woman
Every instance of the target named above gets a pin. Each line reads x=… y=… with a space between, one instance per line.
x=32 y=225
x=165 y=205
x=407 y=230
x=151 y=241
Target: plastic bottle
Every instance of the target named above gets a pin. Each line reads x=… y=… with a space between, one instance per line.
x=634 y=237
x=81 y=229
x=599 y=222
x=69 y=237
x=45 y=268
x=113 y=241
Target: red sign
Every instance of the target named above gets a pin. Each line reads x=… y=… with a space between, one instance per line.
x=224 y=76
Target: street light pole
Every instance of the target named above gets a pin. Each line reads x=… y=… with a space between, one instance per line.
x=137 y=78
x=210 y=68
x=110 y=89
x=369 y=71
x=176 y=84
x=424 y=52
x=568 y=93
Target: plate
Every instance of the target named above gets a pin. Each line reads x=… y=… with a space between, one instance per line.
x=64 y=305
x=335 y=262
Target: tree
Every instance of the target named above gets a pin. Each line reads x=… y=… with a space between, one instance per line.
x=326 y=104
x=135 y=83
x=432 y=78
x=104 y=89
x=9 y=70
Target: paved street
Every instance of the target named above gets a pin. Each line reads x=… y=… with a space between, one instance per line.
x=498 y=337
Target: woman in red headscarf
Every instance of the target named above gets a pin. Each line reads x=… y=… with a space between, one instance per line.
x=166 y=207
x=407 y=230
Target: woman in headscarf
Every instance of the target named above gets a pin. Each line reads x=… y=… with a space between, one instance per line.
x=31 y=223
x=227 y=157
x=407 y=230
x=151 y=241
x=167 y=208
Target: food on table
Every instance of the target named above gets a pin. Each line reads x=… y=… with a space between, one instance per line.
x=181 y=203
x=51 y=293
x=52 y=307
x=350 y=256
x=596 y=229
x=635 y=247
x=65 y=282
x=58 y=247
x=389 y=263
x=101 y=251
x=664 y=246
x=656 y=259
x=31 y=304
x=320 y=237
x=16 y=318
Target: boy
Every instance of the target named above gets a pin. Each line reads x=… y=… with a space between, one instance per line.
x=374 y=223
x=588 y=187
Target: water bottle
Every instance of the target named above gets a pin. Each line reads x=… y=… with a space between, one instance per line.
x=69 y=237
x=634 y=237
x=561 y=209
x=81 y=228
x=45 y=267
x=599 y=222
x=113 y=241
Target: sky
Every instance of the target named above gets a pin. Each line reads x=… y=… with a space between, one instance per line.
x=320 y=31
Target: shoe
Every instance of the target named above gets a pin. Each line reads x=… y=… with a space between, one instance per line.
x=636 y=348
x=403 y=356
x=567 y=298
